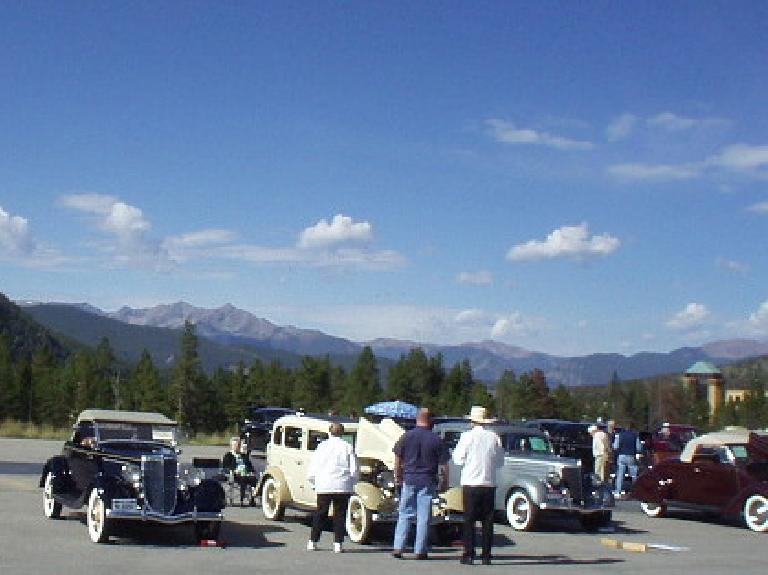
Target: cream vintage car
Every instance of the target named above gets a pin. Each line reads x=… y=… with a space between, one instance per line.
x=284 y=481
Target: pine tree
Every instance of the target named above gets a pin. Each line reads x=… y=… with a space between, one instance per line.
x=148 y=391
x=7 y=377
x=187 y=375
x=363 y=387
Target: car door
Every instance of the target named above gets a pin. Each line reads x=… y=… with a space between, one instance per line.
x=294 y=462
x=713 y=481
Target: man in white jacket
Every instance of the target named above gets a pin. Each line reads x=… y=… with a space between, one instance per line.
x=333 y=472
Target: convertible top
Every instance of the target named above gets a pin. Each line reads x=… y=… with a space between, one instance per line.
x=728 y=436
x=118 y=416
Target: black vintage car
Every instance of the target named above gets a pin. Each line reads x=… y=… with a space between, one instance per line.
x=124 y=465
x=255 y=430
x=569 y=439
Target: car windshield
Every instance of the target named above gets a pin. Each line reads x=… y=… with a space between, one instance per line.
x=110 y=431
x=739 y=453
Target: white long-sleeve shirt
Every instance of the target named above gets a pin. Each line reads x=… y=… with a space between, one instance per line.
x=333 y=467
x=480 y=454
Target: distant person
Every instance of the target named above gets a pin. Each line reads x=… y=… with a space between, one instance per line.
x=333 y=472
x=626 y=445
x=238 y=463
x=420 y=458
x=480 y=454
x=601 y=451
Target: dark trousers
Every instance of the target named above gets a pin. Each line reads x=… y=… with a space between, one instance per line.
x=478 y=506
x=324 y=500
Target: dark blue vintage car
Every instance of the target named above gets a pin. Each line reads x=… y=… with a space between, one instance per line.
x=124 y=465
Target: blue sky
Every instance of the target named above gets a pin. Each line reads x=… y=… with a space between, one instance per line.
x=565 y=177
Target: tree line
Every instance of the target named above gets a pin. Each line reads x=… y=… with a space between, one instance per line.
x=43 y=387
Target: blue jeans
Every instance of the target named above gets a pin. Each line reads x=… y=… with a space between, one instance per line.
x=415 y=505
x=622 y=463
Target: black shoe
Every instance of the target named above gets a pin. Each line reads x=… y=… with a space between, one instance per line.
x=465 y=560
x=421 y=556
x=486 y=560
x=397 y=554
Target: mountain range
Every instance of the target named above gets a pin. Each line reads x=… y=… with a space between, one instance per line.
x=232 y=334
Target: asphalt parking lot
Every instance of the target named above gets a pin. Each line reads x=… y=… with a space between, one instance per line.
x=31 y=544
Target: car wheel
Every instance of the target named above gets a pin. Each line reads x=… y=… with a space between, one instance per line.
x=359 y=520
x=522 y=512
x=594 y=521
x=96 y=518
x=653 y=509
x=756 y=513
x=205 y=530
x=51 y=507
x=271 y=502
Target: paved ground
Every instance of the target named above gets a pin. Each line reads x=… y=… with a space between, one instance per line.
x=31 y=544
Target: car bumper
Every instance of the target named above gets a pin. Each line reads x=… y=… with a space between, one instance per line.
x=437 y=519
x=147 y=515
x=567 y=505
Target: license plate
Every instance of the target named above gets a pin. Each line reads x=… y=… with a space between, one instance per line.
x=124 y=504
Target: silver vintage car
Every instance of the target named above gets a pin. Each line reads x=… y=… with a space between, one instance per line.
x=534 y=481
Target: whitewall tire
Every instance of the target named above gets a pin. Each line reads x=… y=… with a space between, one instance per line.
x=96 y=518
x=522 y=512
x=756 y=513
x=51 y=507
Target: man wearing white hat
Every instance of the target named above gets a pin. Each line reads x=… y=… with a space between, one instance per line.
x=480 y=454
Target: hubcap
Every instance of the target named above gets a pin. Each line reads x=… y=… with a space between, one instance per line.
x=520 y=509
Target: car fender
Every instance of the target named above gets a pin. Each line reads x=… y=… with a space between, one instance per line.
x=648 y=488
x=370 y=495
x=209 y=496
x=534 y=487
x=454 y=499
x=59 y=467
x=279 y=476
x=736 y=504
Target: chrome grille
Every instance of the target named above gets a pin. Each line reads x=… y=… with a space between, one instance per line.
x=159 y=475
x=573 y=481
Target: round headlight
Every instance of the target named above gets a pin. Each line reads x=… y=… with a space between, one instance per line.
x=131 y=473
x=554 y=479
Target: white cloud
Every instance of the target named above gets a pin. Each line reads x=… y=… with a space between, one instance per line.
x=732 y=266
x=566 y=242
x=99 y=204
x=676 y=123
x=693 y=316
x=15 y=237
x=474 y=317
x=511 y=325
x=507 y=133
x=482 y=277
x=660 y=172
x=758 y=321
x=620 y=127
x=759 y=208
x=342 y=229
x=741 y=157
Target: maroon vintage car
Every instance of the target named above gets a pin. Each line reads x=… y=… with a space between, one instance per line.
x=724 y=472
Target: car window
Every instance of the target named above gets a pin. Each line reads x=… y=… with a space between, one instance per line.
x=739 y=453
x=293 y=437
x=278 y=438
x=349 y=438
x=315 y=437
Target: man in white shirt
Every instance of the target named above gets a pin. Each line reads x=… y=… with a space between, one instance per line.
x=601 y=451
x=480 y=454
x=333 y=472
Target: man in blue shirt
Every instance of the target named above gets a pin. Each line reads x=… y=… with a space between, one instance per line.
x=626 y=446
x=419 y=456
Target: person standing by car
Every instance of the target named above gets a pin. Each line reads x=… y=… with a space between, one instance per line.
x=333 y=472
x=480 y=454
x=601 y=451
x=420 y=456
x=626 y=445
x=238 y=463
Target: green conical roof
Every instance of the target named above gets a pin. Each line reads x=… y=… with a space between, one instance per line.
x=703 y=368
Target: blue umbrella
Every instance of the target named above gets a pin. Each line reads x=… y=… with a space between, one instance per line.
x=392 y=409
